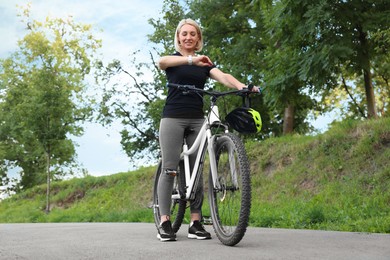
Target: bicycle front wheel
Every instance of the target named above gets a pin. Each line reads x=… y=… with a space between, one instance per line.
x=230 y=203
x=178 y=206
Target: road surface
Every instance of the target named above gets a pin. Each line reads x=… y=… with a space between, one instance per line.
x=138 y=241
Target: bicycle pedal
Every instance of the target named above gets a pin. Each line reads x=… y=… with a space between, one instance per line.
x=207 y=220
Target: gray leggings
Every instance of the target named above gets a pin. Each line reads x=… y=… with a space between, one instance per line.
x=171 y=142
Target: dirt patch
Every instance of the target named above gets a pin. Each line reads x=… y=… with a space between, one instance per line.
x=269 y=169
x=70 y=200
x=384 y=139
x=308 y=184
x=287 y=160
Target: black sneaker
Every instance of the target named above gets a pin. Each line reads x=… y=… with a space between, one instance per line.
x=197 y=231
x=165 y=232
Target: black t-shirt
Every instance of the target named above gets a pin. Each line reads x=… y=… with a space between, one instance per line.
x=179 y=105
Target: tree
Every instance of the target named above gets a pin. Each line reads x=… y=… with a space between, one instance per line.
x=337 y=41
x=137 y=105
x=42 y=98
x=281 y=72
x=239 y=38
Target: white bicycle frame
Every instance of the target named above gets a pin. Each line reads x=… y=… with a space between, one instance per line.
x=204 y=136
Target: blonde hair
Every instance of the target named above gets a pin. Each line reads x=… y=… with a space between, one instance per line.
x=199 y=45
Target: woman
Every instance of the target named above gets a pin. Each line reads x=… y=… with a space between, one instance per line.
x=183 y=112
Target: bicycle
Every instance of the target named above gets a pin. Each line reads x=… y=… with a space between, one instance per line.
x=229 y=178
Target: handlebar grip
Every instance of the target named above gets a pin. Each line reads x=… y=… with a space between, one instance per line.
x=250 y=87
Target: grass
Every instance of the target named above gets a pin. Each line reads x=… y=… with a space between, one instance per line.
x=338 y=180
x=335 y=181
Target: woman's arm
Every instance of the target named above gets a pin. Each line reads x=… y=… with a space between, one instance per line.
x=172 y=61
x=226 y=79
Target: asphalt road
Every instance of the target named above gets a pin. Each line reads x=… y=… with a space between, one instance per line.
x=138 y=241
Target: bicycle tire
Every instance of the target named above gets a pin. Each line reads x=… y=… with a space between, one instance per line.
x=230 y=204
x=178 y=206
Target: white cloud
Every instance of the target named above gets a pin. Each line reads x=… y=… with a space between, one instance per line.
x=124 y=23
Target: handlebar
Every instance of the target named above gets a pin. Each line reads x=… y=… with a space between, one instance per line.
x=245 y=92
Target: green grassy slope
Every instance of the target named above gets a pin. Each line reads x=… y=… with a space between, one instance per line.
x=339 y=180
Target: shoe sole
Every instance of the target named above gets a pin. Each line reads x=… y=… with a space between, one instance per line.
x=165 y=239
x=192 y=236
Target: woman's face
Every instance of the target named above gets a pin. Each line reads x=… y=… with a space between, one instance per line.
x=188 y=37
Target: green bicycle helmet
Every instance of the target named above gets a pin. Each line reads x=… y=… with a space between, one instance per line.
x=245 y=120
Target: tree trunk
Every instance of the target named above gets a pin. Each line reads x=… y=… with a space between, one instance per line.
x=48 y=183
x=48 y=162
x=371 y=104
x=288 y=120
x=366 y=66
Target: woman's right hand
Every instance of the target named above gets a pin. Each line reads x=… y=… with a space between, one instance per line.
x=202 y=61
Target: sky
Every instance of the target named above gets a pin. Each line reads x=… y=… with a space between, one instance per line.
x=124 y=28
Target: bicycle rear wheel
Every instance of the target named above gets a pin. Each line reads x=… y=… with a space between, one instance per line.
x=230 y=204
x=178 y=206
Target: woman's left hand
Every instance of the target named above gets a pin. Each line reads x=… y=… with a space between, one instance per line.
x=255 y=89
